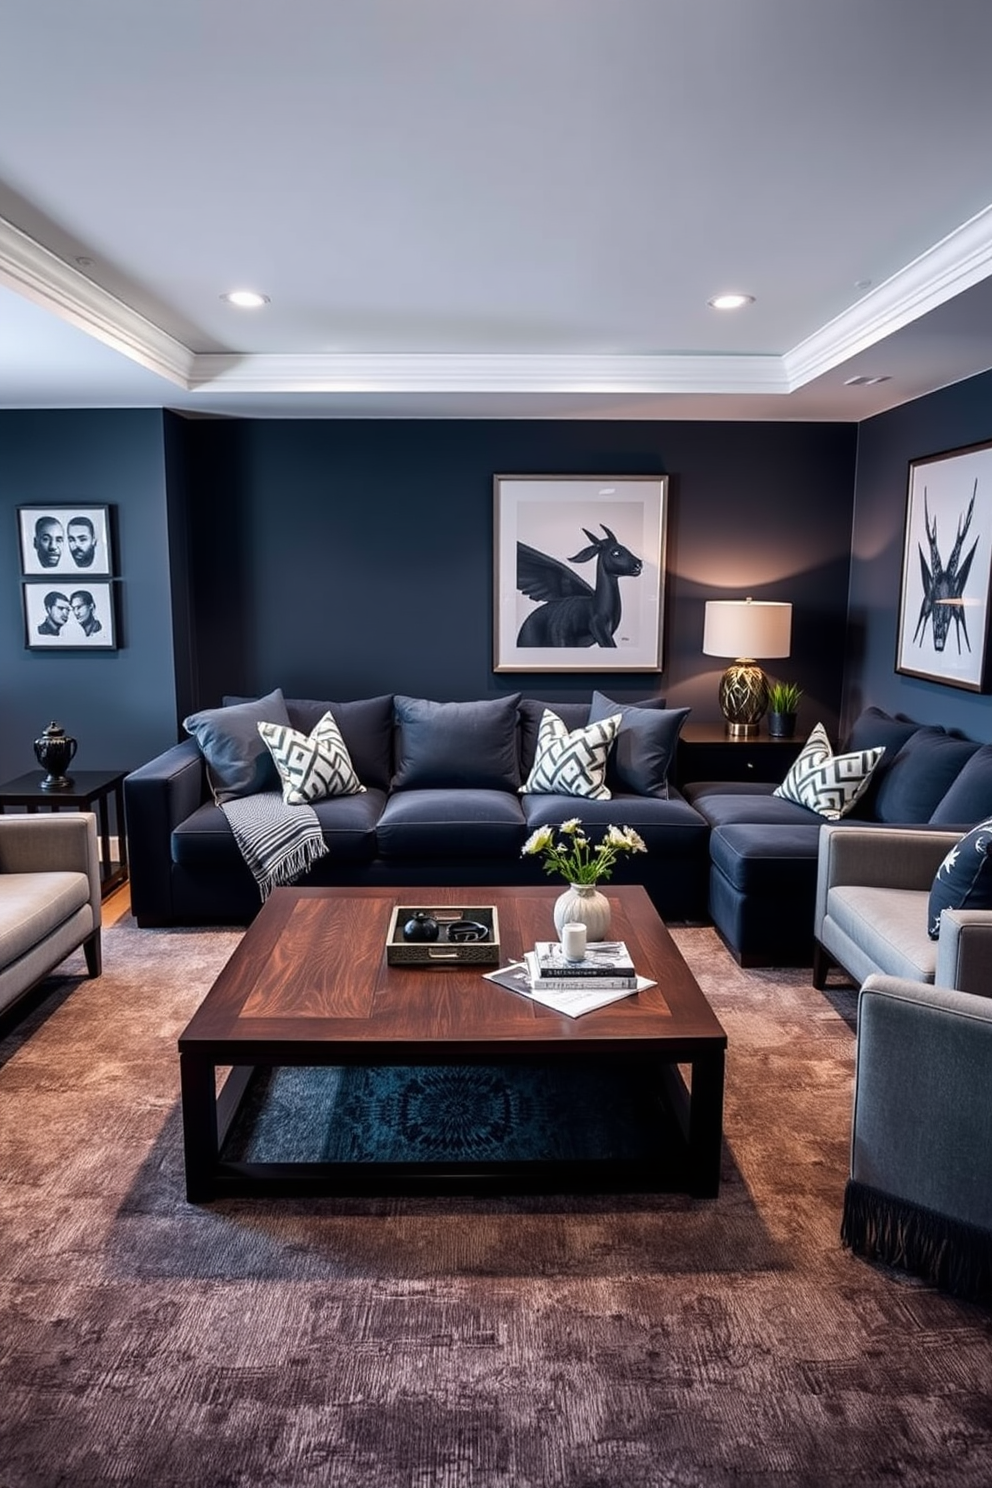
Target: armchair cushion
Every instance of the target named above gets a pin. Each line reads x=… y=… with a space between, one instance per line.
x=828 y=783
x=964 y=878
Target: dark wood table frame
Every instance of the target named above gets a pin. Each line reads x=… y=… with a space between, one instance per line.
x=90 y=790
x=309 y=985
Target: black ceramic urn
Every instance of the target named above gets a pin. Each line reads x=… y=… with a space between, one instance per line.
x=54 y=750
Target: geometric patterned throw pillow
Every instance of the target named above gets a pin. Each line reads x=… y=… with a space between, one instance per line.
x=828 y=783
x=571 y=764
x=311 y=768
x=964 y=878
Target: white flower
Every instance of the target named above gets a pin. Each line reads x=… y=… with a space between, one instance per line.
x=537 y=841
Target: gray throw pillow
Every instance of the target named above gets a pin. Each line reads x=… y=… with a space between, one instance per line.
x=238 y=762
x=645 y=744
x=442 y=746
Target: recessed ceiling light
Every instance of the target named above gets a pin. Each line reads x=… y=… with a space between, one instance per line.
x=730 y=301
x=245 y=299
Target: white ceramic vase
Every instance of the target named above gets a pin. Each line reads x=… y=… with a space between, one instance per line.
x=584 y=904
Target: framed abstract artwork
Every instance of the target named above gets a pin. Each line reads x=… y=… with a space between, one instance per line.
x=65 y=541
x=579 y=573
x=947 y=568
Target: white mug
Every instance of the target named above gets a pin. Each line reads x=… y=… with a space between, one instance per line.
x=573 y=941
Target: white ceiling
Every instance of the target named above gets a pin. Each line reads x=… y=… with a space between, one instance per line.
x=507 y=210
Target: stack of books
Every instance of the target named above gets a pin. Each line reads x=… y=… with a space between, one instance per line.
x=606 y=967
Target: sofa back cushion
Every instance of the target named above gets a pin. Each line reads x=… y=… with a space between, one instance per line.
x=366 y=727
x=238 y=763
x=874 y=729
x=442 y=746
x=921 y=773
x=645 y=744
x=969 y=797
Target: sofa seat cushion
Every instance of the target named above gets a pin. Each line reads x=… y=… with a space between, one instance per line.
x=889 y=926
x=451 y=824
x=669 y=825
x=751 y=805
x=33 y=905
x=205 y=839
x=767 y=859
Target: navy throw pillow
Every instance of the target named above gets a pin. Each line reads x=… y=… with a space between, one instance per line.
x=964 y=878
x=970 y=796
x=921 y=775
x=456 y=745
x=644 y=747
x=238 y=762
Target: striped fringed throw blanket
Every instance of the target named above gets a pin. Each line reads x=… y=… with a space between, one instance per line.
x=278 y=842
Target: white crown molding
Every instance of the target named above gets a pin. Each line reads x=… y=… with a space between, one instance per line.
x=490 y=374
x=36 y=273
x=956 y=263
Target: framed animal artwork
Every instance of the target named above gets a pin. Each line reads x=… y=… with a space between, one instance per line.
x=946 y=569
x=579 y=572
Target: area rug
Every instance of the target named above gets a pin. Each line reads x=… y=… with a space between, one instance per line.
x=449 y=1114
x=549 y=1341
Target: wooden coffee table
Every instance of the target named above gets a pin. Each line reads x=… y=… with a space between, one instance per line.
x=309 y=985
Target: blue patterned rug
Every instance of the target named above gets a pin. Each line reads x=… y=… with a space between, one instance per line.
x=448 y=1113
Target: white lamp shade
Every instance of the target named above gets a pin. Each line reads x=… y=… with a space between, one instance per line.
x=752 y=628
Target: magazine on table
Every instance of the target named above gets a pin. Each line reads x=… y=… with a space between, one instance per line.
x=573 y=1001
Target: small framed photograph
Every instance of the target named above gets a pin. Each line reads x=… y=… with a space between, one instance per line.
x=69 y=617
x=946 y=569
x=579 y=573
x=65 y=540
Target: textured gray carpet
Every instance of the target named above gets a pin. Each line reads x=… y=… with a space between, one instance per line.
x=434 y=1344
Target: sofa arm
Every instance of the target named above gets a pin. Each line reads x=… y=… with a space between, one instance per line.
x=59 y=843
x=922 y=1117
x=877 y=857
x=157 y=797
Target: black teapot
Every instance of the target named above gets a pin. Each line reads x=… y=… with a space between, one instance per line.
x=54 y=751
x=421 y=926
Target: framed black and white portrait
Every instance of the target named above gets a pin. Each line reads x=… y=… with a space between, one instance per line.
x=65 y=540
x=60 y=616
x=946 y=569
x=579 y=573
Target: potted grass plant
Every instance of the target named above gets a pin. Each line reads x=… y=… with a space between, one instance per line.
x=783 y=705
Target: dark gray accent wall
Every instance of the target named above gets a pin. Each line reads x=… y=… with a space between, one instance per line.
x=344 y=558
x=119 y=705
x=950 y=419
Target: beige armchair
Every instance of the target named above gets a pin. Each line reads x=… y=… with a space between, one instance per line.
x=872 y=893
x=49 y=897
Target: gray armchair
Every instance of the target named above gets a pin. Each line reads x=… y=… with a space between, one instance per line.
x=872 y=892
x=919 y=1194
x=49 y=897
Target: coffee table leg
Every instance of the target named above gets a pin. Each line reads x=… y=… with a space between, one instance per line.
x=197 y=1078
x=706 y=1125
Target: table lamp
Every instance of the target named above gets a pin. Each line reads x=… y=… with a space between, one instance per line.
x=745 y=629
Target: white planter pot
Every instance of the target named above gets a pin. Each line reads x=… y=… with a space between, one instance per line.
x=583 y=904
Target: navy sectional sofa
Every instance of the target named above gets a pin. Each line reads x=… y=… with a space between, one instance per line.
x=763 y=848
x=442 y=805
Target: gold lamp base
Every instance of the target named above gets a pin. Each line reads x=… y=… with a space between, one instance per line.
x=743 y=698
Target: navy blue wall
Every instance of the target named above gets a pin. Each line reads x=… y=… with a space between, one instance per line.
x=119 y=705
x=341 y=559
x=949 y=419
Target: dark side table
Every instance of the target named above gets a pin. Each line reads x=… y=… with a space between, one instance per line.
x=706 y=752
x=90 y=790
